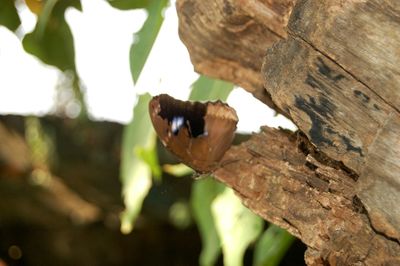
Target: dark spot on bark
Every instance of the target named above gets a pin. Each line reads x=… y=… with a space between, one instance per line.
x=303 y=143
x=311 y=166
x=318 y=183
x=345 y=140
x=362 y=96
x=313 y=82
x=333 y=191
x=189 y=9
x=376 y=107
x=327 y=72
x=350 y=147
x=330 y=130
x=351 y=173
x=286 y=110
x=227 y=8
x=307 y=148
x=296 y=17
x=358 y=206
x=324 y=107
x=318 y=113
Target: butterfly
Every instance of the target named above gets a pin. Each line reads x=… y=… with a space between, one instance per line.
x=197 y=133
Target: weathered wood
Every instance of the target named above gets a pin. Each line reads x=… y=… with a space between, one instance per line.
x=379 y=185
x=336 y=76
x=286 y=181
x=363 y=37
x=324 y=101
x=341 y=115
x=342 y=118
x=227 y=39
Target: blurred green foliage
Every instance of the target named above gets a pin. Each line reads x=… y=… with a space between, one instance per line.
x=136 y=176
x=129 y=4
x=144 y=39
x=208 y=89
x=204 y=192
x=51 y=41
x=237 y=226
x=272 y=246
x=224 y=223
x=8 y=15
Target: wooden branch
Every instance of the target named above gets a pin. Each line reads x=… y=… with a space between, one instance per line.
x=227 y=39
x=336 y=75
x=282 y=178
x=343 y=116
x=362 y=39
x=344 y=120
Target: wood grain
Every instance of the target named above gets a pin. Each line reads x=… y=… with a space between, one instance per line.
x=279 y=176
x=339 y=114
x=227 y=39
x=360 y=36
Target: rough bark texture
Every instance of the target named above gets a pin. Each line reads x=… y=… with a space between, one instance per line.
x=227 y=39
x=336 y=75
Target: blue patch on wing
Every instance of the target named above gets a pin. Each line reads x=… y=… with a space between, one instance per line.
x=177 y=123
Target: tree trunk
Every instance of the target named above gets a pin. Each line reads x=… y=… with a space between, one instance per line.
x=333 y=68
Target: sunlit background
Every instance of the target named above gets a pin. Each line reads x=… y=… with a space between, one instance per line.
x=102 y=38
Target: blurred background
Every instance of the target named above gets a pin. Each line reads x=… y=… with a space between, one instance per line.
x=83 y=178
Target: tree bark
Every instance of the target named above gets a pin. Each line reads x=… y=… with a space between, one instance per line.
x=227 y=39
x=335 y=74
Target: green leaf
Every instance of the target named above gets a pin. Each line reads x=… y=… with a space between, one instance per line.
x=149 y=155
x=208 y=89
x=272 y=246
x=128 y=4
x=51 y=41
x=236 y=225
x=9 y=15
x=135 y=172
x=204 y=191
x=145 y=38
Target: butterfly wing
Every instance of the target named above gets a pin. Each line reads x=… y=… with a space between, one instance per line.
x=201 y=136
x=220 y=125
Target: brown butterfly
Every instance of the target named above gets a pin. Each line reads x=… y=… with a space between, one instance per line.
x=197 y=133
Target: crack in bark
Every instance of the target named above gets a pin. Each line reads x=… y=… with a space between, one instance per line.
x=307 y=148
x=293 y=227
x=392 y=239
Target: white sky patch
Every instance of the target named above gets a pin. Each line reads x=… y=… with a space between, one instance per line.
x=26 y=85
x=168 y=68
x=102 y=38
x=253 y=113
